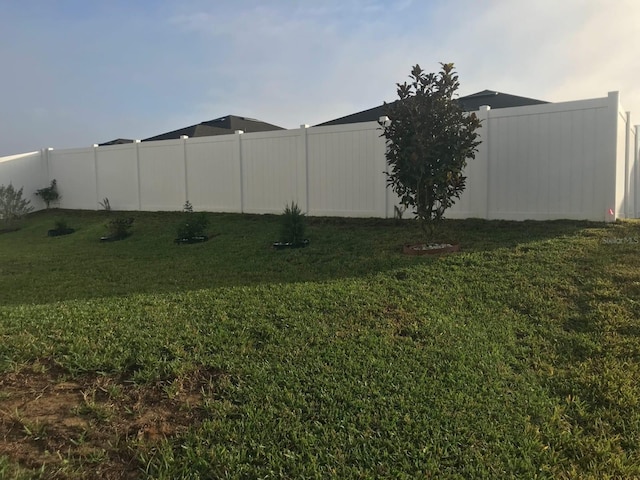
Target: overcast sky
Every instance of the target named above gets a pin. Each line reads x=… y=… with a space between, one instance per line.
x=74 y=73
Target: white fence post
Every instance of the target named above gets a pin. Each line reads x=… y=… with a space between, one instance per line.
x=483 y=195
x=303 y=169
x=184 y=139
x=610 y=163
x=636 y=168
x=238 y=134
x=628 y=213
x=48 y=163
x=47 y=152
x=136 y=145
x=95 y=169
x=385 y=121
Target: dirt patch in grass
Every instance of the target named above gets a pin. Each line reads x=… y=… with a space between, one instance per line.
x=92 y=426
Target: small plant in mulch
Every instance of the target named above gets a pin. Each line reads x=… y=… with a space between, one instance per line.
x=293 y=228
x=118 y=229
x=49 y=194
x=60 y=228
x=12 y=207
x=192 y=227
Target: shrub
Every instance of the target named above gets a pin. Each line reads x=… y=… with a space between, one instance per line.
x=49 y=194
x=60 y=228
x=193 y=225
x=12 y=205
x=119 y=227
x=61 y=225
x=293 y=225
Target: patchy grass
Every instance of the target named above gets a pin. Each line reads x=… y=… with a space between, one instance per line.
x=518 y=357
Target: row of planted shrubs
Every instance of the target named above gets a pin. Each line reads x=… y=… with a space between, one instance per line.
x=190 y=230
x=193 y=227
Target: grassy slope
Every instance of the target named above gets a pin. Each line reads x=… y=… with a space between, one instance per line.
x=516 y=358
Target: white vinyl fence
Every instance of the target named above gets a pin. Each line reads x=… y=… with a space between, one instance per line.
x=575 y=160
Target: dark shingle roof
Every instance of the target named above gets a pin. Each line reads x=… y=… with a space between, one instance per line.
x=117 y=141
x=469 y=103
x=495 y=99
x=218 y=126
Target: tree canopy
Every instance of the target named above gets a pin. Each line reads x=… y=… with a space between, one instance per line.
x=429 y=140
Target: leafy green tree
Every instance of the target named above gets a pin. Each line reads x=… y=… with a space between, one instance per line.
x=12 y=205
x=429 y=140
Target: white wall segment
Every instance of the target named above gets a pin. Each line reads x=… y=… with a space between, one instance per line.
x=27 y=171
x=75 y=173
x=346 y=171
x=270 y=170
x=162 y=175
x=118 y=176
x=573 y=160
x=213 y=173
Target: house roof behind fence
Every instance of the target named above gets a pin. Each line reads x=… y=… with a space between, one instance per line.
x=468 y=103
x=218 y=126
x=495 y=100
x=117 y=141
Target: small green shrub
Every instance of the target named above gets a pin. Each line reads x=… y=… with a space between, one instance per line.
x=193 y=224
x=12 y=205
x=293 y=225
x=119 y=227
x=61 y=225
x=49 y=194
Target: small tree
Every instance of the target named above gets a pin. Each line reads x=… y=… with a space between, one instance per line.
x=293 y=225
x=193 y=224
x=12 y=205
x=429 y=140
x=49 y=194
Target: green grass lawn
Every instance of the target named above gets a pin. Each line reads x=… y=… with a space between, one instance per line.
x=518 y=357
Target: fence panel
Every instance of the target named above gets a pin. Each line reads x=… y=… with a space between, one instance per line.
x=27 y=171
x=544 y=159
x=75 y=173
x=213 y=173
x=117 y=168
x=346 y=167
x=270 y=171
x=162 y=175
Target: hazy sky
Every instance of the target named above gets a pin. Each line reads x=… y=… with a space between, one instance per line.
x=74 y=73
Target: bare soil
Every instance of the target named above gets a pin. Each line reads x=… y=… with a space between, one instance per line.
x=92 y=426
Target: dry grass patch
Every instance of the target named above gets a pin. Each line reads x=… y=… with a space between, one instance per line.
x=93 y=425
